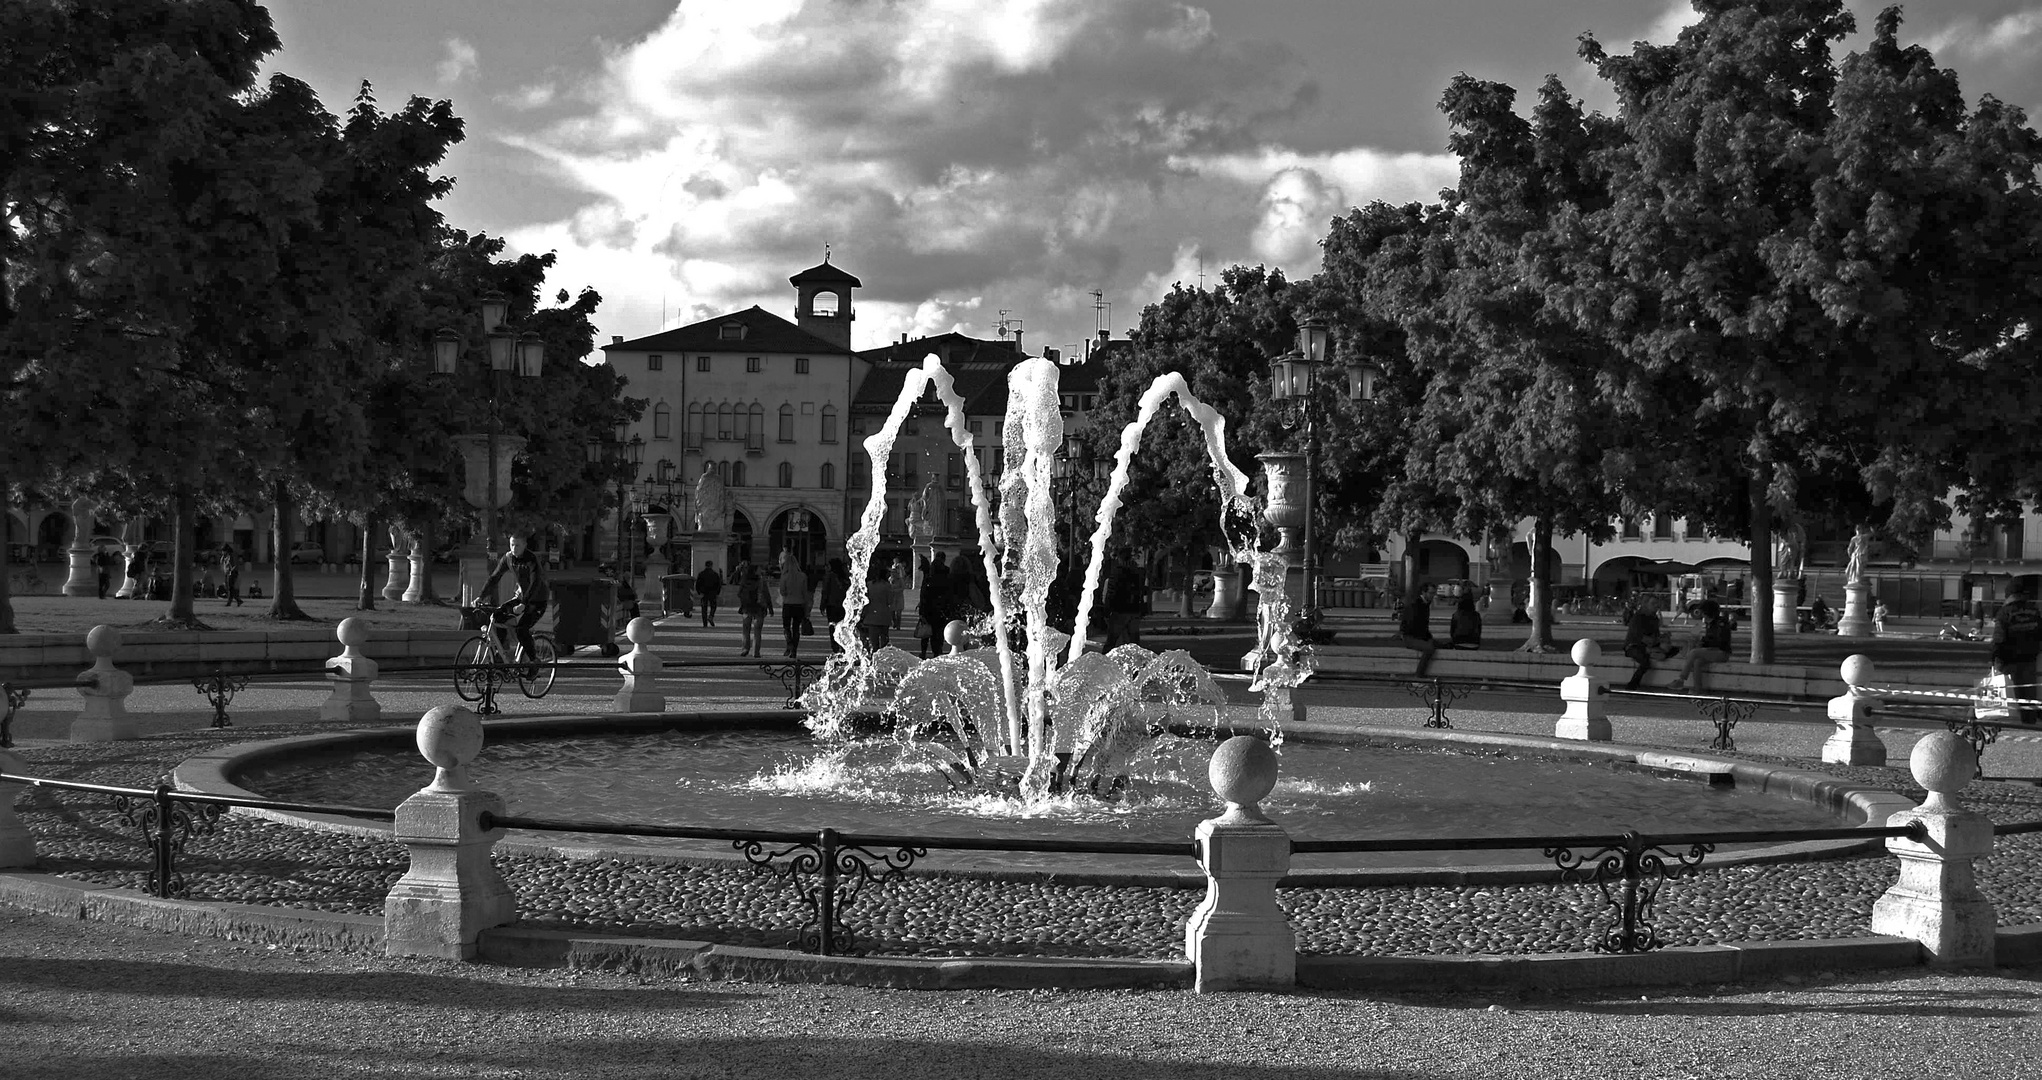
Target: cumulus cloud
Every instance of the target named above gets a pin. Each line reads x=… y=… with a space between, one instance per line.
x=2009 y=37
x=535 y=96
x=961 y=155
x=457 y=62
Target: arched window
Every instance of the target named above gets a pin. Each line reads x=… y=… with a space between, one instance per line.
x=786 y=423
x=786 y=474
x=829 y=423
x=693 y=435
x=737 y=474
x=723 y=472
x=662 y=421
x=723 y=420
x=740 y=423
x=824 y=303
x=756 y=438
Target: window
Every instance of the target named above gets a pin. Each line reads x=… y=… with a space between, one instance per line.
x=737 y=474
x=801 y=365
x=786 y=472
x=829 y=474
x=1630 y=530
x=723 y=420
x=751 y=364
x=662 y=421
x=1662 y=526
x=723 y=472
x=693 y=435
x=755 y=432
x=913 y=464
x=955 y=474
x=913 y=427
x=858 y=479
x=701 y=363
x=655 y=362
x=730 y=331
x=858 y=426
x=786 y=423
x=978 y=427
x=829 y=423
x=824 y=304
x=740 y=418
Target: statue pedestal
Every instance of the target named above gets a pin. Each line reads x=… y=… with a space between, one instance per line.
x=84 y=577
x=709 y=547
x=1786 y=607
x=1857 y=612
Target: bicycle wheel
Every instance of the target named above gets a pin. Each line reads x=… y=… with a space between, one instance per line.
x=544 y=666
x=467 y=681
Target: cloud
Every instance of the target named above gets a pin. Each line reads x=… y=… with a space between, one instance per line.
x=535 y=96
x=2010 y=37
x=1678 y=15
x=458 y=63
x=962 y=156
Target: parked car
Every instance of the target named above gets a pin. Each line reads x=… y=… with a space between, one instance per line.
x=305 y=551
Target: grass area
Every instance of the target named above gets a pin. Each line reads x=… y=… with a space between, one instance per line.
x=77 y=614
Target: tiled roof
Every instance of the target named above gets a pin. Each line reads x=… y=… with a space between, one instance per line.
x=765 y=332
x=824 y=271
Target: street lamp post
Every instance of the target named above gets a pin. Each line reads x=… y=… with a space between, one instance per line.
x=1294 y=384
x=623 y=456
x=508 y=352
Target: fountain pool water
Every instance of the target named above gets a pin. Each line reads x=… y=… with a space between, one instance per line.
x=785 y=779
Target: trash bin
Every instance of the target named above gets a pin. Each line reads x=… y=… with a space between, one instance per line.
x=581 y=606
x=677 y=594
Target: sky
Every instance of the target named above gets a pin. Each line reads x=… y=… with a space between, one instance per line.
x=975 y=162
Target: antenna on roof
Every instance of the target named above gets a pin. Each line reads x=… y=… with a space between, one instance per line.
x=1009 y=324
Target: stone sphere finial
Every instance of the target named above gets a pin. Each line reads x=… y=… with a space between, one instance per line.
x=953 y=635
x=1243 y=773
x=1856 y=670
x=1942 y=763
x=103 y=641
x=450 y=737
x=1586 y=653
x=352 y=632
x=639 y=631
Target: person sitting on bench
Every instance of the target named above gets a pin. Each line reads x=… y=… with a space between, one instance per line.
x=1414 y=630
x=1713 y=646
x=1465 y=631
x=1643 y=639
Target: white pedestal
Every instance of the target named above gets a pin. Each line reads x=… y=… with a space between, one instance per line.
x=1857 y=612
x=452 y=892
x=1586 y=698
x=1856 y=741
x=1239 y=938
x=1786 y=607
x=1936 y=901
x=397 y=574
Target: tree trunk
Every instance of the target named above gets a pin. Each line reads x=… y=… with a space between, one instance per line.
x=6 y=571
x=1761 y=573
x=1411 y=542
x=184 y=523
x=283 y=599
x=1539 y=605
x=427 y=595
x=367 y=600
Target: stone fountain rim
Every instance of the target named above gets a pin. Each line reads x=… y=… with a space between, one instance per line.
x=209 y=773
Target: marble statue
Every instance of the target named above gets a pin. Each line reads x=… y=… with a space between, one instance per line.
x=1854 y=566
x=711 y=504
x=1788 y=540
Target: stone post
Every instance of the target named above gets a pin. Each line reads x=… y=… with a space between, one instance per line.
x=353 y=676
x=414 y=592
x=1855 y=741
x=1586 y=698
x=399 y=567
x=452 y=891
x=1228 y=597
x=105 y=689
x=1238 y=938
x=83 y=580
x=1787 y=606
x=1936 y=902
x=641 y=667
x=17 y=847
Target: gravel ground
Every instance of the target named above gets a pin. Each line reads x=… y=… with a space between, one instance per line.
x=118 y=1002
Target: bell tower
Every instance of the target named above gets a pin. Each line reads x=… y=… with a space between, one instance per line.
x=822 y=302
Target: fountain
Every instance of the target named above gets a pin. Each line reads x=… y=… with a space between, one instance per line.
x=1036 y=725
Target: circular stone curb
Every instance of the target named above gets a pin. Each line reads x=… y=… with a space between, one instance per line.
x=1869 y=807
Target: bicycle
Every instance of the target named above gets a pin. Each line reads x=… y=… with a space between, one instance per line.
x=498 y=644
x=25 y=581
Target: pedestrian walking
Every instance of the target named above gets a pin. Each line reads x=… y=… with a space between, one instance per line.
x=933 y=609
x=709 y=589
x=836 y=585
x=230 y=570
x=102 y=566
x=794 y=596
x=875 y=622
x=138 y=568
x=897 y=580
x=754 y=603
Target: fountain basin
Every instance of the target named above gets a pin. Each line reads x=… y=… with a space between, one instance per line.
x=564 y=767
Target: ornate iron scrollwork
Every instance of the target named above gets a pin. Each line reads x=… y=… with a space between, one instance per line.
x=1980 y=734
x=1726 y=713
x=1437 y=695
x=219 y=689
x=794 y=676
x=166 y=823
x=17 y=696
x=828 y=876
x=1642 y=868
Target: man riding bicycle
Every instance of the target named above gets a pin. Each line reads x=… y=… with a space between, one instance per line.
x=530 y=600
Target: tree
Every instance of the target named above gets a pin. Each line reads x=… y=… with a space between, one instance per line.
x=1769 y=277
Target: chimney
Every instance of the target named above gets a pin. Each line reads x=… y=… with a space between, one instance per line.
x=1104 y=335
x=616 y=339
x=904 y=337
